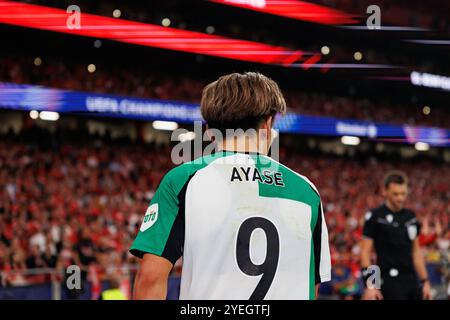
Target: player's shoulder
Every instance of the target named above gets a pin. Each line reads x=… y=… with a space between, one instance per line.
x=296 y=176
x=181 y=173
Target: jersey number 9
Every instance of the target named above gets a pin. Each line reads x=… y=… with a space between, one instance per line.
x=269 y=267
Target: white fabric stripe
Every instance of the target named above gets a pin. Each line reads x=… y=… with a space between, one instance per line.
x=325 y=257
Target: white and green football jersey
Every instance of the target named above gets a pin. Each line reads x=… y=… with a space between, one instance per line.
x=246 y=226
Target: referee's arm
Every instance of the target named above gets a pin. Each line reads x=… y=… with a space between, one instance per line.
x=366 y=247
x=419 y=265
x=366 y=251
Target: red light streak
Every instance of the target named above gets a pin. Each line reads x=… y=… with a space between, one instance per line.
x=100 y=27
x=298 y=10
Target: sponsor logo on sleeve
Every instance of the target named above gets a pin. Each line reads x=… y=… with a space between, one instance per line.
x=151 y=215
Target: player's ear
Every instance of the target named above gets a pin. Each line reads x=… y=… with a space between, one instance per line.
x=267 y=125
x=265 y=134
x=269 y=122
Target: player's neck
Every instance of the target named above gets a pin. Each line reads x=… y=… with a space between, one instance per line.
x=243 y=145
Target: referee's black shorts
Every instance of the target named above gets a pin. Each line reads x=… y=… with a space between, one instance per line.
x=401 y=287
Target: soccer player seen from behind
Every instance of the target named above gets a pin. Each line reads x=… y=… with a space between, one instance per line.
x=246 y=226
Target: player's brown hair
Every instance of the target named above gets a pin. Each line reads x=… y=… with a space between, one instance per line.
x=395 y=176
x=241 y=101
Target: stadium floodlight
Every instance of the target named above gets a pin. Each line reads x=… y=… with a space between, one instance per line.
x=166 y=22
x=422 y=146
x=357 y=56
x=426 y=110
x=37 y=61
x=117 y=13
x=49 y=115
x=350 y=140
x=91 y=68
x=325 y=50
x=34 y=114
x=165 y=125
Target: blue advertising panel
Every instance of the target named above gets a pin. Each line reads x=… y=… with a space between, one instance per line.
x=31 y=97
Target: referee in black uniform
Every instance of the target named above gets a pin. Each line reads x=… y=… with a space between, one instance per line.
x=393 y=231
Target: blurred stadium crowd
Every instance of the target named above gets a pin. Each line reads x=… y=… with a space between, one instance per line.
x=69 y=197
x=81 y=203
x=56 y=73
x=75 y=199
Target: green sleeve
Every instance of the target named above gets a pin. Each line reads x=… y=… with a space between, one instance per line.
x=162 y=229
